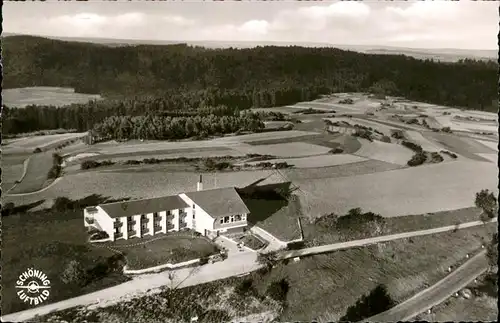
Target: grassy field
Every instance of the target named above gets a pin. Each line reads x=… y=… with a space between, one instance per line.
x=482 y=306
x=463 y=146
x=320 y=287
x=490 y=144
x=316 y=235
x=28 y=144
x=386 y=152
x=20 y=97
x=36 y=174
x=417 y=190
x=425 y=143
x=163 y=249
x=55 y=238
x=319 y=161
x=324 y=286
x=12 y=167
x=291 y=149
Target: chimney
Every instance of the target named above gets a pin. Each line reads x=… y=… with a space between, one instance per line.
x=199 y=185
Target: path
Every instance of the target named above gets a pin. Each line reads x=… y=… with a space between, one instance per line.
x=374 y=240
x=25 y=170
x=437 y=293
x=242 y=263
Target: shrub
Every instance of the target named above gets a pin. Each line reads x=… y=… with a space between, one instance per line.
x=132 y=162
x=413 y=146
x=245 y=287
x=346 y=101
x=452 y=155
x=54 y=172
x=417 y=159
x=37 y=150
x=397 y=134
x=385 y=139
x=296 y=245
x=7 y=208
x=278 y=290
x=363 y=133
x=88 y=164
x=337 y=150
x=100 y=235
x=412 y=121
x=74 y=274
x=215 y=315
x=446 y=129
x=436 y=157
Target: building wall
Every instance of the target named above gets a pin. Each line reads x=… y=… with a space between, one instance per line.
x=137 y=226
x=123 y=227
x=218 y=225
x=202 y=220
x=102 y=221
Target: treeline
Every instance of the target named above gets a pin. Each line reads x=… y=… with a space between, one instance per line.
x=180 y=78
x=162 y=128
x=83 y=117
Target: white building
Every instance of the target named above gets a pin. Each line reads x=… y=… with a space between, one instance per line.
x=209 y=212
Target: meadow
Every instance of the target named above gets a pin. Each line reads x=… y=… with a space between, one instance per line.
x=56 y=96
x=387 y=152
x=36 y=173
x=55 y=238
x=292 y=149
x=28 y=144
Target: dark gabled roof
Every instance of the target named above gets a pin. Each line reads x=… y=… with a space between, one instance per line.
x=219 y=201
x=136 y=207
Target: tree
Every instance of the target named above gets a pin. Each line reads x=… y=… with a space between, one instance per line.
x=487 y=201
x=492 y=251
x=377 y=301
x=74 y=274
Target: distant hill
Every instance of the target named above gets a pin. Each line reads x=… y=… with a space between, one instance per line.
x=440 y=54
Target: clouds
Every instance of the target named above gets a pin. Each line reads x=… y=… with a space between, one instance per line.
x=462 y=24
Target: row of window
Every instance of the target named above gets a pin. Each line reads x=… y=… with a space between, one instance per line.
x=232 y=218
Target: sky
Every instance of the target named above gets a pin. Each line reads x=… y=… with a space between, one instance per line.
x=416 y=24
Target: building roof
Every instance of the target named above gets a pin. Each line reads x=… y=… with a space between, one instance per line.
x=219 y=201
x=136 y=207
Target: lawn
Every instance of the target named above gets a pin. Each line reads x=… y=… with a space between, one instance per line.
x=48 y=241
x=316 y=235
x=163 y=249
x=36 y=173
x=425 y=143
x=57 y=96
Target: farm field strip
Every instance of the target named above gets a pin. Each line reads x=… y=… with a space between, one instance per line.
x=387 y=152
x=342 y=108
x=445 y=121
x=36 y=173
x=292 y=149
x=490 y=144
x=20 y=97
x=28 y=144
x=461 y=145
x=491 y=157
x=200 y=154
x=402 y=191
x=422 y=141
x=386 y=130
x=318 y=161
x=271 y=135
x=397 y=125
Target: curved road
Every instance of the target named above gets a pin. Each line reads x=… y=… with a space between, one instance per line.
x=437 y=293
x=240 y=264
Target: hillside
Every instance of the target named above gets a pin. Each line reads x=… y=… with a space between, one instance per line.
x=159 y=78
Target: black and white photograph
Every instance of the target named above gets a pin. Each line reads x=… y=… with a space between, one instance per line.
x=249 y=161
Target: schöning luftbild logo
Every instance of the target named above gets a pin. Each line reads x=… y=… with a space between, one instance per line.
x=33 y=286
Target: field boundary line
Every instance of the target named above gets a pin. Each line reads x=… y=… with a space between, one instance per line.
x=36 y=192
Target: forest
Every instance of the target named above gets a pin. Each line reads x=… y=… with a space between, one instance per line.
x=180 y=81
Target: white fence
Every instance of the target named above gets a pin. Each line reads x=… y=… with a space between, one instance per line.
x=159 y=268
